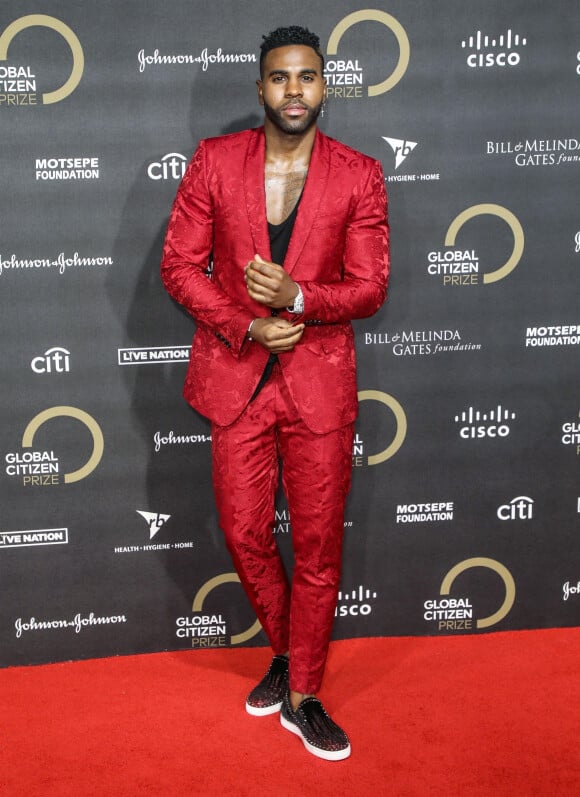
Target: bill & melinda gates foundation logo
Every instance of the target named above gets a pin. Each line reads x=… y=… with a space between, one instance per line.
x=19 y=83
x=345 y=71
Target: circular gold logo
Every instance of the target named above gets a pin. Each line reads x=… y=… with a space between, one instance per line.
x=503 y=573
x=401 y=418
x=203 y=592
x=83 y=417
x=373 y=15
x=44 y=21
x=510 y=220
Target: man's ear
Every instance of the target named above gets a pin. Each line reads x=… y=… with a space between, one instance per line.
x=260 y=86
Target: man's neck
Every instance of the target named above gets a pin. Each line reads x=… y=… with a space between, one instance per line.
x=288 y=150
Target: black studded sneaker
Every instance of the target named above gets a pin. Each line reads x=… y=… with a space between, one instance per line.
x=320 y=735
x=266 y=697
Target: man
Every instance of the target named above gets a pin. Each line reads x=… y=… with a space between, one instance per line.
x=297 y=225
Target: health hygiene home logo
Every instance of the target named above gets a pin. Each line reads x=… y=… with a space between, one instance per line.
x=360 y=455
x=154 y=521
x=61 y=264
x=455 y=612
x=344 y=70
x=355 y=603
x=571 y=434
x=53 y=361
x=81 y=167
x=19 y=83
x=170 y=167
x=461 y=267
x=556 y=335
x=153 y=355
x=536 y=151
x=520 y=508
x=402 y=148
x=428 y=512
x=210 y=630
x=43 y=467
x=476 y=425
x=501 y=50
x=33 y=538
x=421 y=342
x=77 y=624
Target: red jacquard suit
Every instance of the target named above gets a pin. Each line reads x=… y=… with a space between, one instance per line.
x=338 y=255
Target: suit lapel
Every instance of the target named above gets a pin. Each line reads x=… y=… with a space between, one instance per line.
x=255 y=193
x=314 y=189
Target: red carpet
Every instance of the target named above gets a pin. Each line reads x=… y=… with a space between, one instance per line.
x=455 y=716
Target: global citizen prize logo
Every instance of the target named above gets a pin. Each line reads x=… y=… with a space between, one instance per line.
x=170 y=167
x=476 y=425
x=571 y=437
x=489 y=51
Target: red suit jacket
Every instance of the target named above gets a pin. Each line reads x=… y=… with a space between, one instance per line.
x=338 y=254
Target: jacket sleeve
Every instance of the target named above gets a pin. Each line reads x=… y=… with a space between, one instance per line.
x=186 y=255
x=363 y=287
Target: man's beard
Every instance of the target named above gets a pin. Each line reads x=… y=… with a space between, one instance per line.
x=293 y=126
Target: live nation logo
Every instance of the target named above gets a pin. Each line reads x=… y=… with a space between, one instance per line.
x=153 y=355
x=33 y=537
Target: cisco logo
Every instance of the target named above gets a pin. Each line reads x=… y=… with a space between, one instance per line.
x=476 y=425
x=493 y=50
x=355 y=603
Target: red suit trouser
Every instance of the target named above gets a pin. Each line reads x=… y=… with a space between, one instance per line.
x=316 y=475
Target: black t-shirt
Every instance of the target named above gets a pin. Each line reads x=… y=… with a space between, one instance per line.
x=280 y=235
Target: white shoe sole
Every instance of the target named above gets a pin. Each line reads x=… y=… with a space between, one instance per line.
x=327 y=755
x=263 y=711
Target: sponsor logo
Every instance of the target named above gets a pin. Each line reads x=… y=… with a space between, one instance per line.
x=345 y=76
x=570 y=589
x=571 y=436
x=19 y=82
x=420 y=342
x=577 y=242
x=568 y=335
x=53 y=361
x=80 y=168
x=205 y=59
x=282 y=522
x=154 y=520
x=475 y=425
x=425 y=513
x=578 y=59
x=520 y=508
x=359 y=455
x=459 y=613
x=35 y=537
x=461 y=267
x=204 y=630
x=402 y=149
x=488 y=51
x=172 y=439
x=537 y=151
x=153 y=355
x=60 y=264
x=77 y=624
x=39 y=468
x=224 y=638
x=171 y=167
x=356 y=603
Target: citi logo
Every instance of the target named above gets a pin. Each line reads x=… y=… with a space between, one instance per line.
x=477 y=425
x=53 y=361
x=355 y=602
x=154 y=520
x=520 y=508
x=400 y=147
x=483 y=46
x=170 y=167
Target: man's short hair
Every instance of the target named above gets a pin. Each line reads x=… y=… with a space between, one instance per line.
x=283 y=37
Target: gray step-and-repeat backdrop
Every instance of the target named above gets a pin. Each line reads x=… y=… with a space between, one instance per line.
x=465 y=507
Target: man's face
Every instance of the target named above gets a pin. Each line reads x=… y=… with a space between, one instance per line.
x=292 y=88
